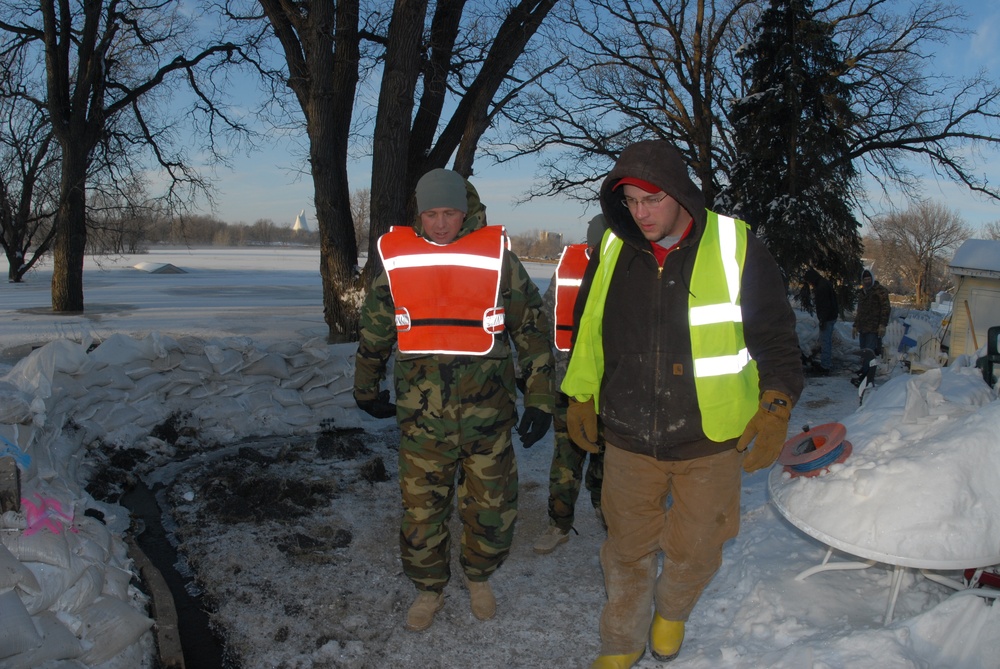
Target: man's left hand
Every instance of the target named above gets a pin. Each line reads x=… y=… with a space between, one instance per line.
x=534 y=424
x=767 y=429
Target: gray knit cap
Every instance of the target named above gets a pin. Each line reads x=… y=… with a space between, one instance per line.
x=441 y=188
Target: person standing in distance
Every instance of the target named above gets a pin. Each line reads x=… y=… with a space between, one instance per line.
x=567 y=470
x=825 y=300
x=687 y=348
x=452 y=299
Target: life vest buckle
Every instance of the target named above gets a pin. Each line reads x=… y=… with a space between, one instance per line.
x=403 y=323
x=493 y=320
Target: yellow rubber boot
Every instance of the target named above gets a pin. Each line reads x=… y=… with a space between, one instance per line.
x=665 y=638
x=618 y=661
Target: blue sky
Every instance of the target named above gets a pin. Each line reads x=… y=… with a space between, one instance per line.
x=269 y=184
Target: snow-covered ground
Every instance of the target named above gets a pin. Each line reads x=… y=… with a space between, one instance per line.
x=294 y=539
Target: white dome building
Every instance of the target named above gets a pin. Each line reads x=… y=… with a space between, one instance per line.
x=301 y=224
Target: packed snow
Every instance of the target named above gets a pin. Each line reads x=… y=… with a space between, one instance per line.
x=302 y=570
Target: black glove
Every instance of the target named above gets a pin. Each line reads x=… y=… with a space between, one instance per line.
x=534 y=424
x=380 y=407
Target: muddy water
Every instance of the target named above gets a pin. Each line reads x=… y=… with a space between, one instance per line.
x=202 y=649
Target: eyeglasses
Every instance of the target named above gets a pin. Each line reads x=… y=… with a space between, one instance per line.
x=650 y=202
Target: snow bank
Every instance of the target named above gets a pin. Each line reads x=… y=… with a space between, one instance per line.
x=920 y=487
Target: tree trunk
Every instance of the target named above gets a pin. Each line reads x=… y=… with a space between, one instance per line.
x=70 y=241
x=391 y=177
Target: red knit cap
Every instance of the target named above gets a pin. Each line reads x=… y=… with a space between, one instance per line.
x=639 y=183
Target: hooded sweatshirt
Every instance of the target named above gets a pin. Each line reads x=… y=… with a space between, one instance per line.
x=649 y=403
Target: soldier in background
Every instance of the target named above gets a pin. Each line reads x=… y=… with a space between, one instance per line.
x=453 y=298
x=568 y=458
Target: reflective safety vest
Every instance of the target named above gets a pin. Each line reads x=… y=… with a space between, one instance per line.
x=446 y=296
x=569 y=276
x=726 y=379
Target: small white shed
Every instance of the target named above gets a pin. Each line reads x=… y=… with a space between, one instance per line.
x=976 y=307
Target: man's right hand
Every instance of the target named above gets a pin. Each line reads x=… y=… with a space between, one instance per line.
x=581 y=423
x=380 y=407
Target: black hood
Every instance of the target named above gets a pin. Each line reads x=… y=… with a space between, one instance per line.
x=659 y=163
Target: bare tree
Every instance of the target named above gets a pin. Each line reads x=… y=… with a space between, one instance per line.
x=641 y=69
x=922 y=238
x=28 y=170
x=103 y=61
x=991 y=230
x=361 y=214
x=459 y=59
x=631 y=70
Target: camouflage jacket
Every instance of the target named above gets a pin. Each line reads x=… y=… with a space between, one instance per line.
x=525 y=322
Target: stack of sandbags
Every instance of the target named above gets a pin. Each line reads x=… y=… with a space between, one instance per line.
x=64 y=569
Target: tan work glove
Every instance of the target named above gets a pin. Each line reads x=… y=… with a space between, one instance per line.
x=581 y=423
x=770 y=428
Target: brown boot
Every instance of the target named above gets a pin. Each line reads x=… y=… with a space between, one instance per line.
x=421 y=613
x=484 y=604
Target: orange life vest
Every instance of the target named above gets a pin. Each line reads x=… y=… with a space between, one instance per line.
x=447 y=297
x=569 y=276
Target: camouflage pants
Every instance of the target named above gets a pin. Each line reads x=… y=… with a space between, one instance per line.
x=566 y=472
x=455 y=438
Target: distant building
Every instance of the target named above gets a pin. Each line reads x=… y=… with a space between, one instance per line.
x=554 y=237
x=301 y=224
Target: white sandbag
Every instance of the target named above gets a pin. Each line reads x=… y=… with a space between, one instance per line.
x=149 y=385
x=33 y=374
x=209 y=389
x=189 y=345
x=13 y=574
x=224 y=360
x=152 y=411
x=257 y=399
x=299 y=379
x=108 y=626
x=39 y=546
x=299 y=416
x=270 y=365
x=52 y=581
x=138 y=369
x=319 y=348
x=300 y=360
x=81 y=594
x=169 y=361
x=317 y=396
x=285 y=348
x=219 y=410
x=286 y=397
x=120 y=349
x=111 y=376
x=116 y=582
x=92 y=540
x=199 y=364
x=58 y=643
x=319 y=380
x=17 y=632
x=66 y=385
x=115 y=415
x=15 y=405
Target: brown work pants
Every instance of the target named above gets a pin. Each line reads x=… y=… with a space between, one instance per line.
x=704 y=513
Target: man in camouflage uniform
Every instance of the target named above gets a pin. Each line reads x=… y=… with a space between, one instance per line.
x=568 y=458
x=455 y=412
